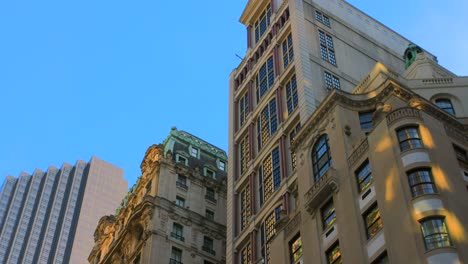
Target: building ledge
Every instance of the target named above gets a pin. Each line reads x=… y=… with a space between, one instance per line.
x=320 y=191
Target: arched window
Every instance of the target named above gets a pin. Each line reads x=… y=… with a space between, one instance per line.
x=321 y=158
x=446 y=105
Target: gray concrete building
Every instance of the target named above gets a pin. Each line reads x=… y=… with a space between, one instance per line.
x=49 y=217
x=298 y=53
x=175 y=213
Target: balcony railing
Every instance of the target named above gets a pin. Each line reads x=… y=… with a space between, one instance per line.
x=321 y=190
x=181 y=185
x=208 y=249
x=177 y=236
x=173 y=261
x=403 y=112
x=210 y=198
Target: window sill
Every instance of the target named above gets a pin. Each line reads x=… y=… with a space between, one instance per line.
x=436 y=251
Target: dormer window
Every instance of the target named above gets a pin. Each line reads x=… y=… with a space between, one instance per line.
x=210 y=173
x=222 y=165
x=194 y=152
x=181 y=159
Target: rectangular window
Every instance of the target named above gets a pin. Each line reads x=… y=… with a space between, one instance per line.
x=194 y=152
x=243 y=106
x=334 y=254
x=462 y=157
x=328 y=214
x=244 y=153
x=291 y=94
x=319 y=16
x=178 y=232
x=331 y=81
x=364 y=176
x=245 y=206
x=268 y=231
x=180 y=201
x=222 y=165
x=209 y=214
x=327 y=49
x=269 y=175
x=265 y=78
x=210 y=173
x=365 y=119
x=295 y=249
x=409 y=138
x=292 y=135
x=210 y=194
x=176 y=256
x=421 y=182
x=262 y=23
x=182 y=160
x=288 y=52
x=373 y=221
x=267 y=123
x=208 y=245
x=435 y=233
x=181 y=181
x=246 y=254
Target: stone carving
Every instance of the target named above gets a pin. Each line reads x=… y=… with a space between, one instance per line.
x=403 y=112
x=358 y=152
x=153 y=154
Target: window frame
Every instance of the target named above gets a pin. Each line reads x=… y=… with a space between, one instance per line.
x=320 y=170
x=330 y=258
x=328 y=218
x=327 y=47
x=412 y=138
x=268 y=80
x=209 y=214
x=292 y=99
x=444 y=226
x=269 y=178
x=267 y=123
x=288 y=51
x=370 y=232
x=360 y=181
x=178 y=231
x=180 y=201
x=264 y=17
x=331 y=81
x=295 y=258
x=366 y=125
x=445 y=104
x=322 y=18
x=243 y=108
x=415 y=179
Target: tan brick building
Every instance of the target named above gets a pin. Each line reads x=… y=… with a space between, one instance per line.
x=347 y=143
x=175 y=213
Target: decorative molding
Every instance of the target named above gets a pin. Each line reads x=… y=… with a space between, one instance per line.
x=358 y=152
x=293 y=225
x=401 y=113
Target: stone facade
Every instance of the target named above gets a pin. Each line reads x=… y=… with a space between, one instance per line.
x=175 y=213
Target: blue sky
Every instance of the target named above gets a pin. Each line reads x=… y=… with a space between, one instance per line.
x=110 y=78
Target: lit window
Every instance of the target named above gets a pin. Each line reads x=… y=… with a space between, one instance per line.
x=245 y=206
x=194 y=152
x=295 y=248
x=180 y=201
x=331 y=81
x=177 y=232
x=265 y=78
x=267 y=123
x=421 y=182
x=244 y=153
x=269 y=175
x=328 y=214
x=435 y=233
x=291 y=94
x=373 y=221
x=322 y=18
x=446 y=105
x=262 y=23
x=208 y=244
x=209 y=214
x=246 y=255
x=243 y=108
x=176 y=256
x=321 y=157
x=365 y=120
x=288 y=52
x=327 y=49
x=267 y=232
x=364 y=176
x=334 y=254
x=292 y=135
x=409 y=138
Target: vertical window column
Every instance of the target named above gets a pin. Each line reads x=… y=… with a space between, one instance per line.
x=252 y=193
x=276 y=60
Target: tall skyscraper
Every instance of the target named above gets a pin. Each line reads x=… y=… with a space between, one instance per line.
x=176 y=211
x=49 y=217
x=301 y=56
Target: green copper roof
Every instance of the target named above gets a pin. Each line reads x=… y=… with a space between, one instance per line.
x=410 y=54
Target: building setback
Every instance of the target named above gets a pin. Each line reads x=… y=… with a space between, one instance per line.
x=353 y=91
x=175 y=213
x=49 y=217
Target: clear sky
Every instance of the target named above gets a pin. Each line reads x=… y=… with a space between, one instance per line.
x=110 y=78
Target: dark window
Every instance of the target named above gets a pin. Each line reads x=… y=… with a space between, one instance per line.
x=210 y=194
x=331 y=81
x=365 y=119
x=364 y=176
x=267 y=123
x=291 y=94
x=295 y=248
x=409 y=138
x=288 y=53
x=207 y=262
x=182 y=160
x=180 y=201
x=373 y=221
x=461 y=156
x=435 y=233
x=321 y=157
x=421 y=182
x=319 y=16
x=328 y=214
x=292 y=135
x=446 y=105
x=382 y=259
x=269 y=175
x=208 y=245
x=194 y=152
x=209 y=173
x=265 y=78
x=327 y=49
x=181 y=181
x=177 y=231
x=262 y=23
x=243 y=105
x=334 y=254
x=209 y=214
x=176 y=256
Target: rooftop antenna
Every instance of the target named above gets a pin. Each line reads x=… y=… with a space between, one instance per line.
x=239 y=57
